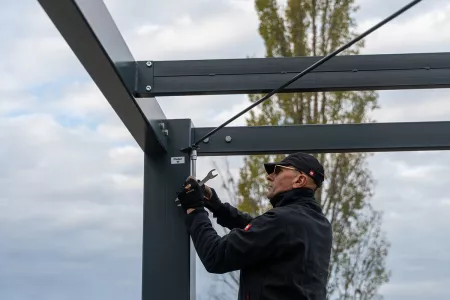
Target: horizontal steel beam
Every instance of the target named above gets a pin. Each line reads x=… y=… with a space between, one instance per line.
x=90 y=31
x=261 y=75
x=333 y=138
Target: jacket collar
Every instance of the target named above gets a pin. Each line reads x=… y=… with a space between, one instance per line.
x=302 y=196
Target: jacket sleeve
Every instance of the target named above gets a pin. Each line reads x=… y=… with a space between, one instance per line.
x=230 y=217
x=240 y=248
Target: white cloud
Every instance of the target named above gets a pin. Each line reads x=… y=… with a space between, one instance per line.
x=413 y=106
x=35 y=52
x=428 y=289
x=114 y=132
x=70 y=201
x=82 y=100
x=410 y=33
x=206 y=110
x=189 y=30
x=71 y=195
x=412 y=191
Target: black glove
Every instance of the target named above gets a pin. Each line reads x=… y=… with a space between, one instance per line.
x=212 y=201
x=191 y=195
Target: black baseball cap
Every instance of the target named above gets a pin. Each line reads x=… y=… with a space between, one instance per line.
x=303 y=162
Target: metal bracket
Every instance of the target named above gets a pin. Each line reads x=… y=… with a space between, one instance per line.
x=145 y=78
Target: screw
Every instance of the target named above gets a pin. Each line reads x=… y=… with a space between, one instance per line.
x=228 y=139
x=148 y=88
x=166 y=132
x=149 y=64
x=206 y=141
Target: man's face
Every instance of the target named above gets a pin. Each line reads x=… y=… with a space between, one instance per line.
x=284 y=178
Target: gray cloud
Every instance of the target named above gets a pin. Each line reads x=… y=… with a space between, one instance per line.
x=413 y=106
x=71 y=196
x=68 y=229
x=370 y=9
x=412 y=192
x=188 y=30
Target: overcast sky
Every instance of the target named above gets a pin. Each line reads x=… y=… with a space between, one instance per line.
x=71 y=175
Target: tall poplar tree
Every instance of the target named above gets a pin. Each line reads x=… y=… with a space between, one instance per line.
x=316 y=28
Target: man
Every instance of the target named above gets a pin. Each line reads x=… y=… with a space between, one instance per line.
x=283 y=254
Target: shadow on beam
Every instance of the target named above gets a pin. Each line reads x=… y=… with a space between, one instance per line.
x=329 y=138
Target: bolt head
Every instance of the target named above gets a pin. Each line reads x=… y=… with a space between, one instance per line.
x=161 y=125
x=228 y=139
x=148 y=88
x=149 y=64
x=206 y=141
x=166 y=132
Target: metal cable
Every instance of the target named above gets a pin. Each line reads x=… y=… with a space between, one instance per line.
x=306 y=71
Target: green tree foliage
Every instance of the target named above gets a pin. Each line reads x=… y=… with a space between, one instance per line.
x=316 y=28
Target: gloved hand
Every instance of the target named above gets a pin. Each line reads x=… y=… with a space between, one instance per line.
x=191 y=195
x=212 y=201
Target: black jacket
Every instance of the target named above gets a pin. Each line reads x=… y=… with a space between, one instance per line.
x=283 y=254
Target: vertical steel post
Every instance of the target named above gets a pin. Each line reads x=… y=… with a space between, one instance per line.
x=168 y=267
x=194 y=163
x=192 y=253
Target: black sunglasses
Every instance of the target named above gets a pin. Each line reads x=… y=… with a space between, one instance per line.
x=278 y=168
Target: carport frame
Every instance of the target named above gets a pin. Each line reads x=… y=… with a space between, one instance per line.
x=130 y=86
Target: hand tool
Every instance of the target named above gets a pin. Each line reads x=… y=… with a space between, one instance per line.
x=208 y=177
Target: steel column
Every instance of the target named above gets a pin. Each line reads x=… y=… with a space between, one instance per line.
x=369 y=137
x=168 y=270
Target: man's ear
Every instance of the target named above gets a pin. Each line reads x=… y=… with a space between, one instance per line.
x=299 y=181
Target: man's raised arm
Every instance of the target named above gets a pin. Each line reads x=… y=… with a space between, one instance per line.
x=227 y=215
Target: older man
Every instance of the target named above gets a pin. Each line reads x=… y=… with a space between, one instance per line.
x=283 y=253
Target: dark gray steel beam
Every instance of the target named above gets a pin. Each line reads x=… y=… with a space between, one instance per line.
x=369 y=137
x=90 y=31
x=168 y=264
x=262 y=75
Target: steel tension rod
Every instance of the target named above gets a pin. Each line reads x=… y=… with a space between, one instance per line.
x=193 y=148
